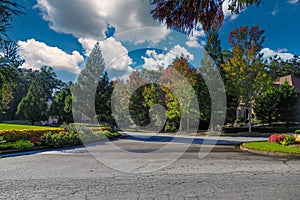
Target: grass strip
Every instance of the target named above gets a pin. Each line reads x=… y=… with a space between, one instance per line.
x=273 y=147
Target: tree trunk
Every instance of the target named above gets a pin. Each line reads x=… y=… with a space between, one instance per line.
x=250 y=117
x=32 y=123
x=188 y=124
x=180 y=129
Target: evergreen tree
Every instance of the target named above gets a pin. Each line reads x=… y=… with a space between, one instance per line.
x=33 y=106
x=50 y=81
x=60 y=105
x=85 y=90
x=103 y=99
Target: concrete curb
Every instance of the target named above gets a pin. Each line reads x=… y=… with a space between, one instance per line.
x=269 y=153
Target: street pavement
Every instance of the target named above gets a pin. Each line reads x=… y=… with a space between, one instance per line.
x=101 y=171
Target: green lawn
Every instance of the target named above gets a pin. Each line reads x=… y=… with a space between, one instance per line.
x=273 y=147
x=22 y=127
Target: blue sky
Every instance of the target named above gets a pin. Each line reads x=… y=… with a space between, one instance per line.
x=61 y=33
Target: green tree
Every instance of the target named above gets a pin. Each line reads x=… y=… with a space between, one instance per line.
x=50 y=81
x=24 y=78
x=5 y=99
x=87 y=83
x=153 y=95
x=245 y=68
x=266 y=105
x=33 y=106
x=139 y=113
x=103 y=99
x=288 y=99
x=277 y=104
x=184 y=95
x=279 y=67
x=60 y=105
x=9 y=61
x=185 y=15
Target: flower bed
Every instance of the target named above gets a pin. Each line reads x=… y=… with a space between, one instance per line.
x=53 y=137
x=279 y=143
x=27 y=134
x=272 y=147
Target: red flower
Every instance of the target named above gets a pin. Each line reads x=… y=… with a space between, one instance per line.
x=277 y=138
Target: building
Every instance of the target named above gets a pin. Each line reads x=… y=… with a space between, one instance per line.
x=292 y=80
x=243 y=111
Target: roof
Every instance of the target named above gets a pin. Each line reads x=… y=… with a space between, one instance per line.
x=292 y=80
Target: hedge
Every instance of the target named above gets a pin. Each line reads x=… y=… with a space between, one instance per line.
x=14 y=135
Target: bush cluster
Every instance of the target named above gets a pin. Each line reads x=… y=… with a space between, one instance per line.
x=70 y=135
x=282 y=139
x=61 y=139
x=15 y=135
x=20 y=144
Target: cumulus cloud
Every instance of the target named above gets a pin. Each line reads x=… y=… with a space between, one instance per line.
x=89 y=18
x=153 y=59
x=87 y=44
x=193 y=40
x=38 y=54
x=292 y=1
x=116 y=57
x=227 y=13
x=282 y=53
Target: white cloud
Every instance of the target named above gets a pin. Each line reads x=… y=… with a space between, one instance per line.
x=292 y=1
x=89 y=18
x=115 y=54
x=152 y=35
x=38 y=54
x=282 y=53
x=227 y=13
x=87 y=44
x=193 y=40
x=154 y=59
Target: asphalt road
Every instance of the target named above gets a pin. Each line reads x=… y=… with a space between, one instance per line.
x=81 y=173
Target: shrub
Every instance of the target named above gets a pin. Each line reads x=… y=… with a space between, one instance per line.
x=7 y=145
x=35 y=140
x=297 y=138
x=288 y=140
x=276 y=138
x=23 y=144
x=61 y=139
x=111 y=134
x=70 y=127
x=2 y=140
x=282 y=139
x=76 y=128
x=297 y=131
x=15 y=135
